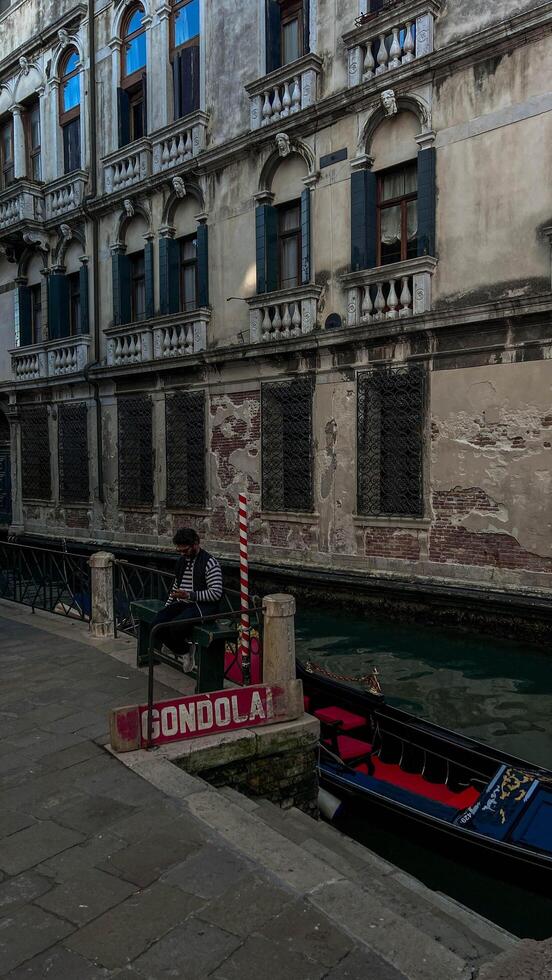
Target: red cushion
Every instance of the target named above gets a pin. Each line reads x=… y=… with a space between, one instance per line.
x=348 y=720
x=350 y=748
x=415 y=783
x=306 y=703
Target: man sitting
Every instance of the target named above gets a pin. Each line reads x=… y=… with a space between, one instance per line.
x=196 y=591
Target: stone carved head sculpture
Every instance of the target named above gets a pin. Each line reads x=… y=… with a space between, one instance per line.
x=24 y=65
x=389 y=102
x=283 y=144
x=179 y=187
x=66 y=232
x=129 y=207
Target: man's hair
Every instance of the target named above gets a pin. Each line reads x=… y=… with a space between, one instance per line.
x=186 y=535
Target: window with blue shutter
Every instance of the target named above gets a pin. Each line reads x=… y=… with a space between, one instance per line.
x=149 y=282
x=84 y=299
x=121 y=288
x=185 y=57
x=59 y=322
x=266 y=235
x=169 y=276
x=426 y=201
x=363 y=220
x=202 y=265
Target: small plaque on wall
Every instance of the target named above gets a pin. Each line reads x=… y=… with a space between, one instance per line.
x=335 y=157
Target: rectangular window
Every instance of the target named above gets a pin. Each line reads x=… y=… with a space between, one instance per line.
x=185 y=57
x=32 y=120
x=286 y=420
x=188 y=273
x=137 y=286
x=185 y=449
x=136 y=113
x=397 y=214
x=71 y=146
x=7 y=173
x=291 y=31
x=74 y=304
x=390 y=426
x=186 y=23
x=135 y=451
x=35 y=453
x=36 y=313
x=73 y=452
x=289 y=245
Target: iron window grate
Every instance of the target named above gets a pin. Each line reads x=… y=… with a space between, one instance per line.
x=74 y=484
x=135 y=450
x=185 y=449
x=35 y=453
x=287 y=445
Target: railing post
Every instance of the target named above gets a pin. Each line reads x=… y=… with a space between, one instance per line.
x=102 y=619
x=278 y=639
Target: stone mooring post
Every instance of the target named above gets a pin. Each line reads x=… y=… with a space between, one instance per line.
x=102 y=619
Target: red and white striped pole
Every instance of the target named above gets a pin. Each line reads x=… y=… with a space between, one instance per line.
x=244 y=589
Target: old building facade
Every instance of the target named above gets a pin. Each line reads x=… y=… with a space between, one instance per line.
x=296 y=248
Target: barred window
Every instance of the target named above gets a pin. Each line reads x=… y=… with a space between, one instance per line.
x=35 y=453
x=185 y=449
x=287 y=445
x=135 y=450
x=74 y=483
x=390 y=441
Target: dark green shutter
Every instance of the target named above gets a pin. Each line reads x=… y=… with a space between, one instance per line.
x=305 y=237
x=25 y=316
x=177 y=86
x=144 y=105
x=121 y=288
x=84 y=326
x=148 y=275
x=363 y=220
x=202 y=265
x=306 y=26
x=266 y=237
x=169 y=285
x=58 y=306
x=426 y=201
x=189 y=79
x=123 y=117
x=273 y=28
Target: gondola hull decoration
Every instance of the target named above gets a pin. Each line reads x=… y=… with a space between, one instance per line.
x=376 y=755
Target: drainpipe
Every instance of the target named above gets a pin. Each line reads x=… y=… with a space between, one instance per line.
x=92 y=217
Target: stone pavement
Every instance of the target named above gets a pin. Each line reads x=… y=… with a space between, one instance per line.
x=141 y=871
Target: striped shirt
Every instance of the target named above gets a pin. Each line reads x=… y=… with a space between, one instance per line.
x=213 y=579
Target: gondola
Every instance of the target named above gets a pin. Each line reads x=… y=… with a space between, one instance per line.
x=378 y=756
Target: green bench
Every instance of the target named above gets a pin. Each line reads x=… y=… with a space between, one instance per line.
x=210 y=639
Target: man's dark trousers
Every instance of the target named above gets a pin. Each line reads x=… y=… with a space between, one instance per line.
x=179 y=612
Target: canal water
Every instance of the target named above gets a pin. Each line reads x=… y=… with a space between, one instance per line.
x=495 y=690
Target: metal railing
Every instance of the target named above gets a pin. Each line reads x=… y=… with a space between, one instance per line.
x=56 y=581
x=131 y=583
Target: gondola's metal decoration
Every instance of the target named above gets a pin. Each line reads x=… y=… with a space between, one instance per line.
x=370 y=681
x=35 y=453
x=286 y=412
x=135 y=450
x=74 y=484
x=185 y=449
x=390 y=428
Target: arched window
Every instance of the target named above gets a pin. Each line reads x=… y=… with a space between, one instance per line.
x=185 y=56
x=132 y=94
x=69 y=110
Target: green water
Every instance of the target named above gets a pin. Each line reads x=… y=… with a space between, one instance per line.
x=495 y=690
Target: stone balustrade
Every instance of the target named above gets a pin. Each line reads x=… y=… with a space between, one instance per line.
x=390 y=40
x=65 y=195
x=392 y=292
x=180 y=142
x=51 y=359
x=283 y=314
x=128 y=166
x=176 y=336
x=284 y=92
x=21 y=202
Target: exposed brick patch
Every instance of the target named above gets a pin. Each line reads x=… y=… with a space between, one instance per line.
x=77 y=518
x=451 y=543
x=139 y=523
x=391 y=542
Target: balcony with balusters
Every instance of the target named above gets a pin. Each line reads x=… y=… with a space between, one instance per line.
x=65 y=194
x=21 y=204
x=162 y=338
x=284 y=92
x=283 y=314
x=390 y=39
x=389 y=292
x=179 y=142
x=53 y=359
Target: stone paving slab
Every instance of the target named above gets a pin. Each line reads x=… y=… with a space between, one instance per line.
x=140 y=871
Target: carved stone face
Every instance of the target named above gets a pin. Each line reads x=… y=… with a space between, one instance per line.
x=389 y=102
x=179 y=187
x=283 y=144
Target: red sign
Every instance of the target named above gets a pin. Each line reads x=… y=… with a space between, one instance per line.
x=208 y=714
